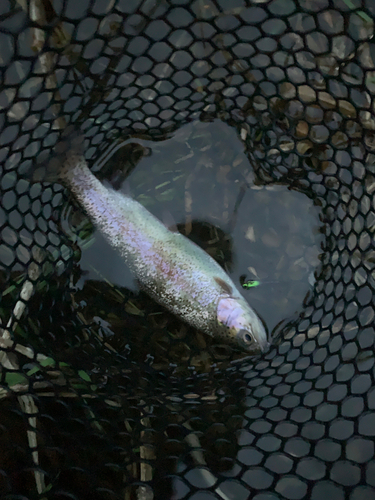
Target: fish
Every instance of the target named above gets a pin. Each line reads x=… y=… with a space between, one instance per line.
x=170 y=268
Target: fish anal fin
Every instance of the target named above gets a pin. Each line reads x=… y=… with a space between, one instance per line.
x=227 y=288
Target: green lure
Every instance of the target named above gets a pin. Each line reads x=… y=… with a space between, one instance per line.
x=250 y=284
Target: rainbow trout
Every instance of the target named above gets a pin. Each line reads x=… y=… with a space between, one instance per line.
x=173 y=270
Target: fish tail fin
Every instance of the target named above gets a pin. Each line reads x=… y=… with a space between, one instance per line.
x=66 y=154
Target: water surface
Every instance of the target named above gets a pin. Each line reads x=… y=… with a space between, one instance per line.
x=200 y=179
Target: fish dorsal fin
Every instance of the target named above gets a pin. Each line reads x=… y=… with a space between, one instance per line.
x=125 y=188
x=227 y=288
x=169 y=221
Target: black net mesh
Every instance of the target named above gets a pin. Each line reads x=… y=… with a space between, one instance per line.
x=104 y=395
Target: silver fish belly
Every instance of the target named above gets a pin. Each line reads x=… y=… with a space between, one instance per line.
x=173 y=270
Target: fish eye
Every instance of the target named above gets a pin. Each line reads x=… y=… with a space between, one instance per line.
x=247 y=337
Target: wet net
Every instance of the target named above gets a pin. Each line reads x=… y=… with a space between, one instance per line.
x=103 y=394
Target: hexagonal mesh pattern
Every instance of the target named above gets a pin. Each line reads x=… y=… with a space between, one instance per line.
x=83 y=414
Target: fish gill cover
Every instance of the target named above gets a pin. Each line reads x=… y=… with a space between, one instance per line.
x=103 y=394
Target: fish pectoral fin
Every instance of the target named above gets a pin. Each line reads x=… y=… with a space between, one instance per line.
x=226 y=288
